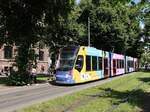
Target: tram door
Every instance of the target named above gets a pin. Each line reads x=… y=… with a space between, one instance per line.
x=114 y=67
x=106 y=68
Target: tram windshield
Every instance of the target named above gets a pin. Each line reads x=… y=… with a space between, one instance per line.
x=67 y=58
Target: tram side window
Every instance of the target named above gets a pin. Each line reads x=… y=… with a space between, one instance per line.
x=88 y=63
x=79 y=63
x=118 y=64
x=105 y=63
x=122 y=63
x=94 y=63
x=132 y=65
x=100 y=63
x=128 y=63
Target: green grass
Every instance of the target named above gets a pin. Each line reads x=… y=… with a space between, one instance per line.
x=42 y=79
x=121 y=95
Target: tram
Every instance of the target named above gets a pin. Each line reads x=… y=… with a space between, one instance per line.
x=79 y=64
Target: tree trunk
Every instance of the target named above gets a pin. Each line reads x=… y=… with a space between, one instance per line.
x=23 y=63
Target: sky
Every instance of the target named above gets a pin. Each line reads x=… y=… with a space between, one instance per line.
x=137 y=1
x=77 y=1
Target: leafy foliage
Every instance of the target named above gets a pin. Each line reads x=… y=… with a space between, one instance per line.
x=18 y=79
x=145 y=58
x=114 y=25
x=24 y=23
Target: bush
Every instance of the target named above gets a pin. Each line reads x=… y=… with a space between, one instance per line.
x=18 y=79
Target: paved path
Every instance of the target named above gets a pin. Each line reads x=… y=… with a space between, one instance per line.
x=15 y=98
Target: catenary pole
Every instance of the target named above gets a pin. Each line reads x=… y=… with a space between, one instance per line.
x=89 y=43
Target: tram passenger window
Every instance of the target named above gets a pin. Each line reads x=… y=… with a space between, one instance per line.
x=131 y=63
x=118 y=64
x=114 y=63
x=122 y=63
x=79 y=63
x=128 y=63
x=88 y=63
x=94 y=63
x=100 y=63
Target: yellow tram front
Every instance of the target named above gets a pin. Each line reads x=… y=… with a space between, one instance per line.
x=79 y=64
x=66 y=62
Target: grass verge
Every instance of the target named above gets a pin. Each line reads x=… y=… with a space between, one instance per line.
x=121 y=95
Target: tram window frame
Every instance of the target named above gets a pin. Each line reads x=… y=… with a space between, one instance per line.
x=94 y=63
x=100 y=62
x=88 y=63
x=80 y=64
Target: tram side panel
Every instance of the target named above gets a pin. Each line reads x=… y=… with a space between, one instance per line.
x=117 y=64
x=92 y=65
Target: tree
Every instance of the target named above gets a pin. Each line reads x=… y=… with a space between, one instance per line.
x=25 y=22
x=145 y=15
x=113 y=24
x=69 y=32
x=145 y=57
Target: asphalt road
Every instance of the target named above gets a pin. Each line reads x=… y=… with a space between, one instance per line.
x=19 y=97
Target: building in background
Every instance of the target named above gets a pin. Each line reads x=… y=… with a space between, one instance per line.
x=9 y=52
